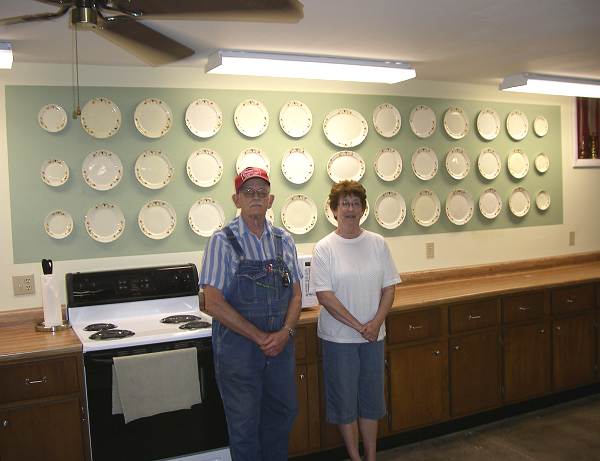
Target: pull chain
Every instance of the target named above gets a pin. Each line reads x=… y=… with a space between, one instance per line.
x=75 y=76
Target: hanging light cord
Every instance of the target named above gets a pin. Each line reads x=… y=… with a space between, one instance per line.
x=75 y=76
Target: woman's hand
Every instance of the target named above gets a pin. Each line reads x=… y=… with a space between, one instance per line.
x=370 y=330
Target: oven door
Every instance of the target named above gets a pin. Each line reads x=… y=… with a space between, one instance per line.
x=166 y=435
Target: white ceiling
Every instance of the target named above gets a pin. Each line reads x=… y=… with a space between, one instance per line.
x=471 y=41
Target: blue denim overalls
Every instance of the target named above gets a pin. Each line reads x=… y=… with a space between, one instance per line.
x=259 y=392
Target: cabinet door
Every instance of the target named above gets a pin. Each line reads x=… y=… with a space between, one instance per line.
x=305 y=432
x=526 y=361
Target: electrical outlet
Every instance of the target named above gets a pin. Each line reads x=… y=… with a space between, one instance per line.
x=23 y=284
x=571 y=238
x=429 y=250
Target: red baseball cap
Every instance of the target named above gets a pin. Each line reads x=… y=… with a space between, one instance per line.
x=248 y=173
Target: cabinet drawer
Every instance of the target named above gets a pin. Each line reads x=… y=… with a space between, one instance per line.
x=412 y=326
x=471 y=316
x=34 y=380
x=527 y=306
x=571 y=299
x=300 y=344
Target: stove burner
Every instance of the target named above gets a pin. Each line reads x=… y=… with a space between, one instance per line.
x=179 y=319
x=100 y=326
x=111 y=334
x=194 y=325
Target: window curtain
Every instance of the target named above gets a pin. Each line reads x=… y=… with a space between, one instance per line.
x=588 y=127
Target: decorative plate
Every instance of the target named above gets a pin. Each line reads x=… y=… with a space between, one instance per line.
x=459 y=207
x=519 y=202
x=345 y=127
x=206 y=216
x=153 y=118
x=299 y=214
x=100 y=118
x=157 y=219
x=457 y=163
x=153 y=169
x=295 y=119
x=540 y=126
x=518 y=164
x=387 y=120
x=204 y=167
x=297 y=165
x=102 y=170
x=422 y=121
x=204 y=118
x=490 y=203
x=517 y=125
x=456 y=122
x=488 y=163
x=390 y=209
x=252 y=157
x=425 y=208
x=542 y=200
x=55 y=172
x=331 y=217
x=58 y=224
x=52 y=118
x=388 y=164
x=104 y=222
x=488 y=124
x=347 y=165
x=424 y=163
x=269 y=215
x=542 y=162
x=251 y=118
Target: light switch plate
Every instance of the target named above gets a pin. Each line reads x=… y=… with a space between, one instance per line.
x=23 y=284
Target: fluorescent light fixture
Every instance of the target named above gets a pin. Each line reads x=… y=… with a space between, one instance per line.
x=6 y=57
x=306 y=66
x=551 y=84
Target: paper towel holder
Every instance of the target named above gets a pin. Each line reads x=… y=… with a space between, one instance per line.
x=53 y=329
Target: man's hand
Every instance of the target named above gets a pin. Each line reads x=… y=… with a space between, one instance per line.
x=275 y=342
x=370 y=330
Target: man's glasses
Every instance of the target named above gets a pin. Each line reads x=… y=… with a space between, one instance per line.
x=248 y=192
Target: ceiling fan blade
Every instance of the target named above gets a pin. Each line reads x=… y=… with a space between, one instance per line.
x=150 y=46
x=34 y=17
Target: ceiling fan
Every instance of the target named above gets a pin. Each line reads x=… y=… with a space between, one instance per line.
x=119 y=20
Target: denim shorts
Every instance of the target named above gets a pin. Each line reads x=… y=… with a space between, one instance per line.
x=353 y=375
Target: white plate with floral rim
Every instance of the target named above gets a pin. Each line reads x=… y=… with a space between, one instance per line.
x=102 y=169
x=55 y=172
x=518 y=163
x=299 y=214
x=387 y=120
x=542 y=200
x=331 y=217
x=157 y=219
x=456 y=122
x=422 y=121
x=345 y=165
x=425 y=208
x=251 y=118
x=104 y=222
x=100 y=118
x=490 y=203
x=459 y=207
x=252 y=157
x=388 y=164
x=269 y=215
x=424 y=163
x=519 y=202
x=204 y=118
x=153 y=118
x=517 y=125
x=52 y=118
x=153 y=169
x=542 y=162
x=206 y=216
x=345 y=127
x=295 y=119
x=540 y=126
x=488 y=163
x=458 y=164
x=488 y=124
x=58 y=224
x=204 y=167
x=390 y=209
x=297 y=165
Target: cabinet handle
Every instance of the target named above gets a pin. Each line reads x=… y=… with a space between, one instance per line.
x=28 y=381
x=557 y=328
x=456 y=348
x=570 y=300
x=474 y=317
x=542 y=331
x=524 y=308
x=414 y=327
x=301 y=376
x=436 y=352
x=5 y=423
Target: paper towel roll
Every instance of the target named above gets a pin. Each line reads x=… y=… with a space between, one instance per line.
x=51 y=301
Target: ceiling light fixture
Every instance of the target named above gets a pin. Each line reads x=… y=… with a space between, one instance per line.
x=551 y=84
x=6 y=55
x=307 y=66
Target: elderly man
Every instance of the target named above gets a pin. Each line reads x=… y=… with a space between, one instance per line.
x=251 y=284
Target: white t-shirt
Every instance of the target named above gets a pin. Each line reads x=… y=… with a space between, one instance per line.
x=355 y=270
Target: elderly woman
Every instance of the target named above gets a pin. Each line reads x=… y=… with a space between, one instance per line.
x=353 y=275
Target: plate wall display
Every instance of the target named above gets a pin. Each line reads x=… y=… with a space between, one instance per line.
x=52 y=118
x=490 y=203
x=55 y=172
x=459 y=207
x=425 y=208
x=102 y=170
x=269 y=215
x=488 y=124
x=345 y=127
x=100 y=118
x=517 y=125
x=457 y=163
x=331 y=217
x=104 y=222
x=390 y=209
x=203 y=118
x=58 y=224
x=422 y=121
x=297 y=165
x=488 y=163
x=456 y=122
x=540 y=126
x=387 y=120
x=204 y=167
x=295 y=119
x=252 y=157
x=299 y=214
x=388 y=164
x=206 y=216
x=519 y=202
x=518 y=164
x=157 y=219
x=153 y=118
x=251 y=118
x=345 y=165
x=542 y=200
x=153 y=169
x=541 y=162
x=424 y=163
